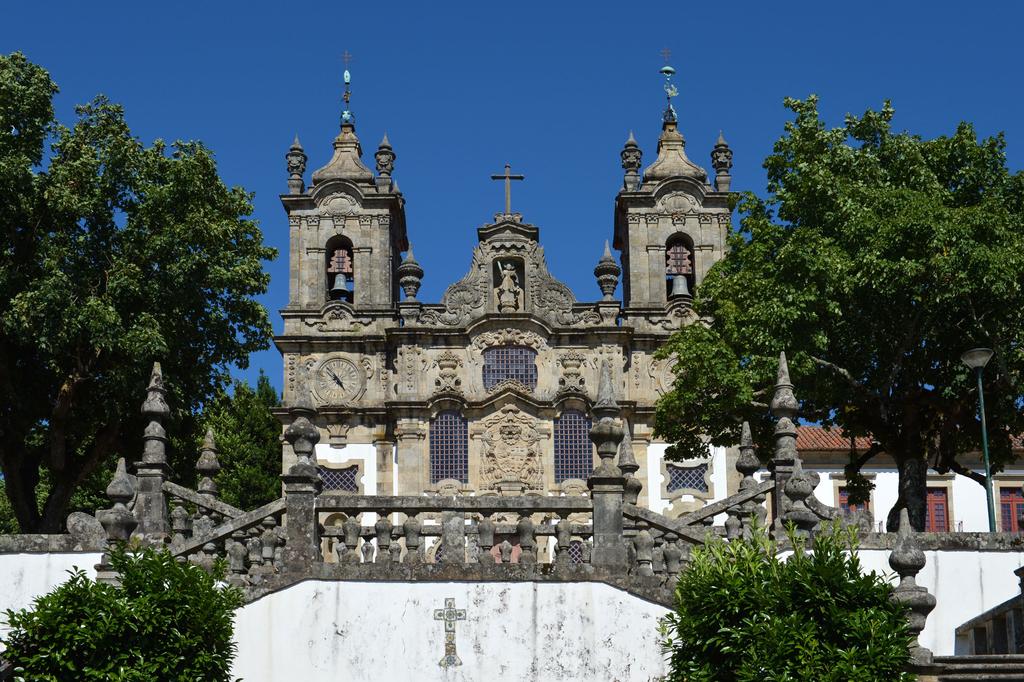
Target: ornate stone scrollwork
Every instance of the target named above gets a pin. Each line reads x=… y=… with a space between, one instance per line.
x=464 y=299
x=678 y=202
x=338 y=317
x=338 y=203
x=511 y=449
x=660 y=373
x=510 y=337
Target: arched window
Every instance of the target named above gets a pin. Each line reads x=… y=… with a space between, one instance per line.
x=340 y=271
x=679 y=263
x=574 y=456
x=510 y=362
x=449 y=447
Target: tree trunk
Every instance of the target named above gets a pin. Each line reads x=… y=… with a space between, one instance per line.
x=21 y=475
x=913 y=493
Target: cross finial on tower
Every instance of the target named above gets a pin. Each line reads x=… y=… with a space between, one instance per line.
x=508 y=178
x=666 y=54
x=346 y=57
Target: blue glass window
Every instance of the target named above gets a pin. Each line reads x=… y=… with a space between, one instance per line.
x=573 y=450
x=449 y=447
x=510 y=362
x=346 y=479
x=687 y=478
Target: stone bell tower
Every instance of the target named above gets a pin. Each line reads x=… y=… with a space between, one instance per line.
x=670 y=222
x=347 y=228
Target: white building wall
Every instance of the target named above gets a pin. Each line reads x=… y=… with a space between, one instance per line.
x=357 y=631
x=24 y=577
x=364 y=453
x=363 y=630
x=655 y=480
x=965 y=585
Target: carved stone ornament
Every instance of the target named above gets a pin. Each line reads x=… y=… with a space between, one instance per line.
x=677 y=202
x=339 y=203
x=448 y=381
x=572 y=380
x=337 y=381
x=510 y=337
x=476 y=294
x=660 y=373
x=511 y=449
x=338 y=317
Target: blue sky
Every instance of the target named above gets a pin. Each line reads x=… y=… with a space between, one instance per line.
x=552 y=88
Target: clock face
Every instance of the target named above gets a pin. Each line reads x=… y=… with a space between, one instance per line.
x=338 y=381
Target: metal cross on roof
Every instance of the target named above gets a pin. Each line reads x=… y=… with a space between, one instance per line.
x=346 y=57
x=449 y=614
x=508 y=178
x=666 y=54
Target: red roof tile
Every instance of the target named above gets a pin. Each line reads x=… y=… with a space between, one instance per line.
x=819 y=438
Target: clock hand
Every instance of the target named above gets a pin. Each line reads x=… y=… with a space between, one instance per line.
x=335 y=377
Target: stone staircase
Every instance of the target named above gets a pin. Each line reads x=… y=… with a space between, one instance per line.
x=1005 y=667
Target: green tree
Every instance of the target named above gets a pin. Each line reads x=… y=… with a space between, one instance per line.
x=166 y=621
x=742 y=613
x=876 y=259
x=114 y=254
x=248 y=438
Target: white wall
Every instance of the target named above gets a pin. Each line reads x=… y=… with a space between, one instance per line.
x=365 y=453
x=386 y=631
x=24 y=577
x=654 y=484
x=330 y=626
x=968 y=505
x=965 y=585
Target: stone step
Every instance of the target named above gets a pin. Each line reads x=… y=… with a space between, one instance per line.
x=999 y=667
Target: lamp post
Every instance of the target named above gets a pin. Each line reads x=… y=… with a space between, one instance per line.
x=976 y=359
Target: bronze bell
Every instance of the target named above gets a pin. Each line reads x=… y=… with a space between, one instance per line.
x=679 y=287
x=340 y=289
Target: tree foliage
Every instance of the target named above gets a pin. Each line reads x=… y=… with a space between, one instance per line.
x=248 y=443
x=743 y=613
x=876 y=259
x=166 y=621
x=114 y=254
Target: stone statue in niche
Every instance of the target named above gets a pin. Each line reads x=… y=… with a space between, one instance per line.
x=511 y=450
x=508 y=295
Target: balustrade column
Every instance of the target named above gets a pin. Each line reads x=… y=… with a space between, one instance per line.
x=453 y=537
x=606 y=483
x=301 y=486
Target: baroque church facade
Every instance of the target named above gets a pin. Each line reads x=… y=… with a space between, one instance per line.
x=489 y=390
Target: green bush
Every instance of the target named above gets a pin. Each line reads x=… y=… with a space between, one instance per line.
x=167 y=621
x=745 y=613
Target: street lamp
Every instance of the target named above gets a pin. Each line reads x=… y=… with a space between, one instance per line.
x=976 y=359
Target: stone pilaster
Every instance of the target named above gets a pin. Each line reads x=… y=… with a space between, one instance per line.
x=410 y=435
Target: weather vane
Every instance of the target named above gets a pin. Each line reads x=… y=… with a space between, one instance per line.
x=670 y=89
x=346 y=115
